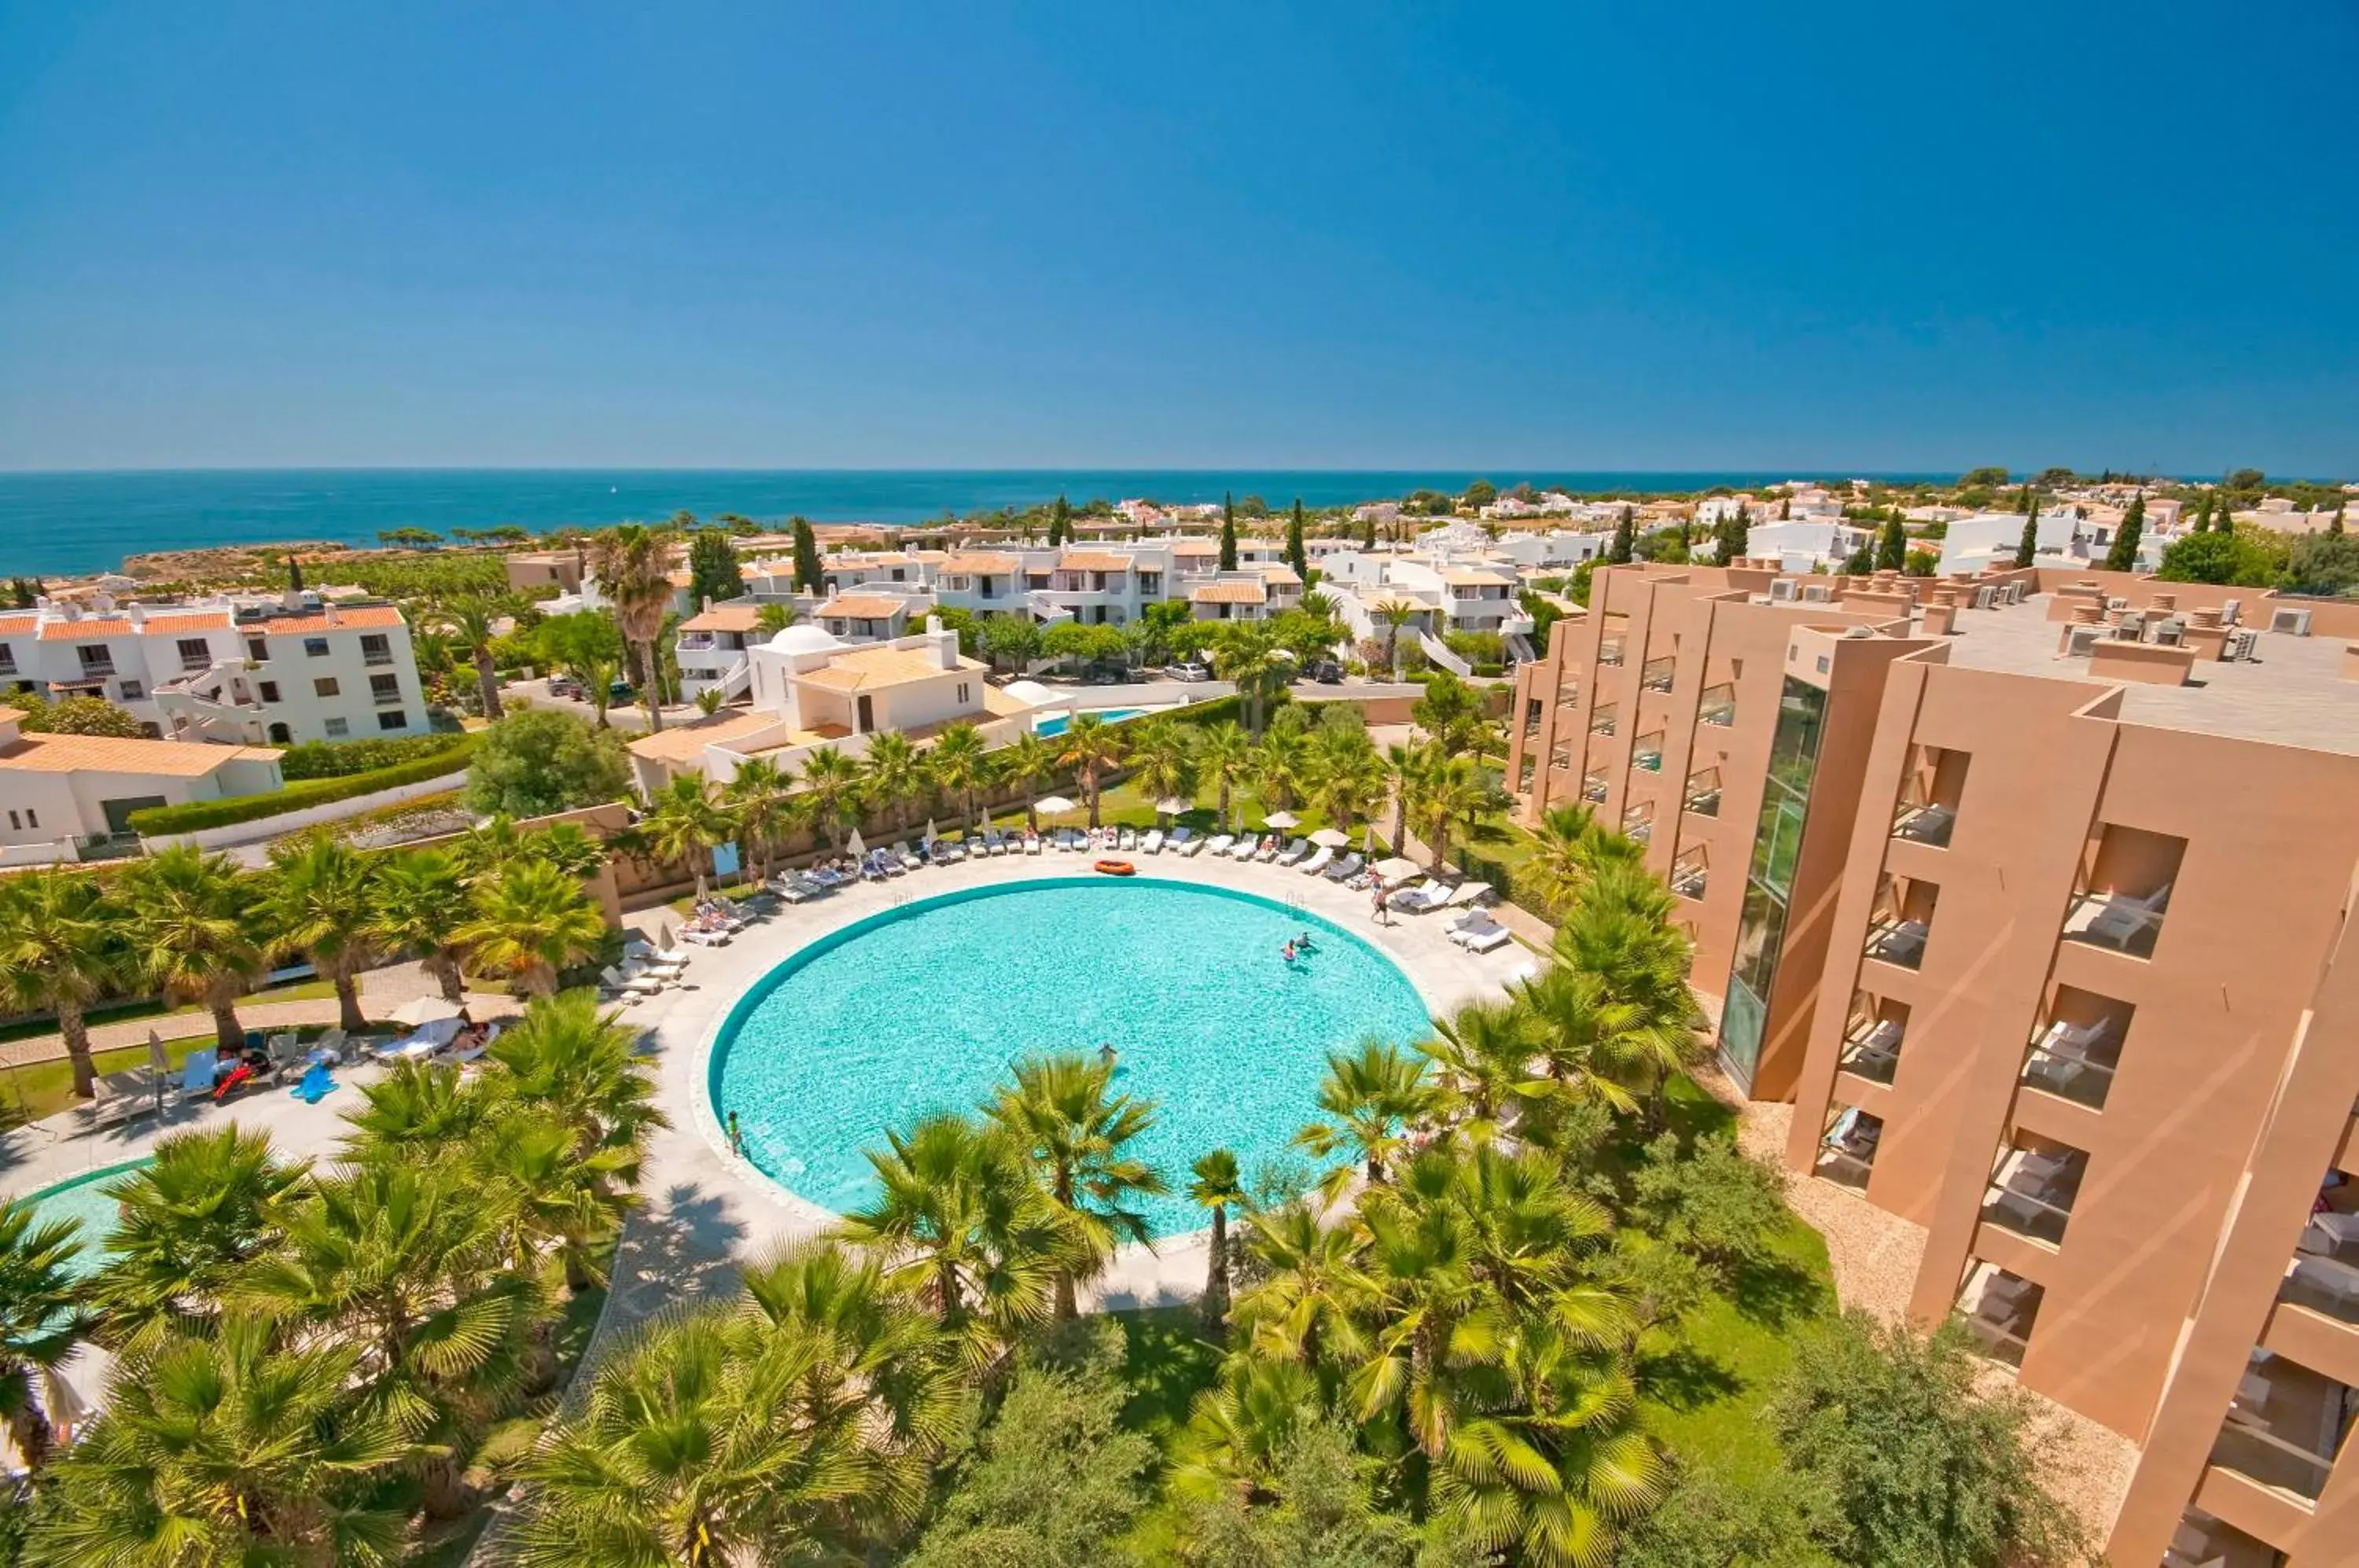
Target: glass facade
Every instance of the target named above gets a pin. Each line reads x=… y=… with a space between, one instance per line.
x=1769 y=880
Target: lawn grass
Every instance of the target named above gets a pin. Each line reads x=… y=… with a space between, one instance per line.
x=126 y=1012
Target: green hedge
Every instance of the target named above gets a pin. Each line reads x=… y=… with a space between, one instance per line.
x=198 y=815
x=342 y=758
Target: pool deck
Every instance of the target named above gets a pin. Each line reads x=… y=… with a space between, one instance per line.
x=708 y=1210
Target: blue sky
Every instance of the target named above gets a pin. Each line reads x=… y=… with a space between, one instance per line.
x=1478 y=236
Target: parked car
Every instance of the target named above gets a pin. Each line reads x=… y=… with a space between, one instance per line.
x=1191 y=673
x=564 y=686
x=1326 y=672
x=620 y=691
x=1104 y=675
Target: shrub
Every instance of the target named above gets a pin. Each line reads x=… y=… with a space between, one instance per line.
x=338 y=759
x=1716 y=1203
x=198 y=815
x=543 y=760
x=74 y=715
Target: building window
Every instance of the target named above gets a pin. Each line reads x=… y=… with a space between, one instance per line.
x=386 y=688
x=132 y=690
x=32 y=818
x=257 y=649
x=962 y=691
x=337 y=728
x=97 y=658
x=15 y=823
x=325 y=686
x=315 y=647
x=7 y=660
x=269 y=690
x=1776 y=843
x=375 y=649
x=195 y=653
x=392 y=719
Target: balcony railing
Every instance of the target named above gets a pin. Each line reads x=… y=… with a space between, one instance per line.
x=1592 y=788
x=1899 y=942
x=1638 y=827
x=1847 y=1150
x=1689 y=877
x=2031 y=1193
x=1925 y=824
x=2075 y=1061
x=2004 y=1310
x=387 y=699
x=2248 y=1445
x=97 y=669
x=1871 y=1048
x=195 y=663
x=1718 y=707
x=1659 y=675
x=2125 y=922
x=1609 y=652
x=1601 y=722
x=2326 y=1285
x=1704 y=792
x=1647 y=751
x=1561 y=758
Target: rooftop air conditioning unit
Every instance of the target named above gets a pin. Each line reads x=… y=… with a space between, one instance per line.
x=1984 y=596
x=2292 y=623
x=2247 y=641
x=1818 y=592
x=2083 y=641
x=1784 y=590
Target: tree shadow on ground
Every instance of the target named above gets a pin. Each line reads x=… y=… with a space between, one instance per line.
x=1167 y=1362
x=1684 y=1378
x=682 y=1246
x=1777 y=1293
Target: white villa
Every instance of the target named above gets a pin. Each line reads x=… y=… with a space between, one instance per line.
x=56 y=790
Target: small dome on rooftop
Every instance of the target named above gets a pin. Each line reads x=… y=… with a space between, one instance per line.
x=805 y=638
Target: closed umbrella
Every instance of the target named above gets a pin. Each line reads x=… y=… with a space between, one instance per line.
x=930 y=835
x=1280 y=820
x=1331 y=838
x=854 y=848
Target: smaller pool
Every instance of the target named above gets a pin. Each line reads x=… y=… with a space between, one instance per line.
x=1054 y=724
x=84 y=1200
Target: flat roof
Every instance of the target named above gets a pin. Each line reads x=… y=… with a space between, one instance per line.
x=2291 y=692
x=871 y=669
x=118 y=754
x=686 y=742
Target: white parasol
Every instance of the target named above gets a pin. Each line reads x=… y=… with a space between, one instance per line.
x=1467 y=893
x=156 y=1057
x=1056 y=805
x=854 y=848
x=419 y=1011
x=1331 y=838
x=1172 y=805
x=1280 y=820
x=929 y=833
x=1396 y=870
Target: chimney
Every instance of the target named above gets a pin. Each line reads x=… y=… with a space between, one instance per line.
x=945 y=642
x=138 y=614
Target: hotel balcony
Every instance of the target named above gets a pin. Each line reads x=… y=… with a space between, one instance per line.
x=1534 y=711
x=1561 y=758
x=1647 y=751
x=1999 y=1310
x=1872 y=1038
x=2125 y=890
x=97 y=669
x=1704 y=792
x=1719 y=706
x=2203 y=1542
x=1903 y=922
x=1847 y=1147
x=2032 y=1188
x=1929 y=793
x=2076 y=1052
x=2285 y=1426
x=1609 y=650
x=1592 y=788
x=1690 y=872
x=1638 y=822
x=1602 y=720
x=1659 y=675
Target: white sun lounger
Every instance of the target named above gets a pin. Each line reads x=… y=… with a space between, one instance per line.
x=1222 y=844
x=907 y=857
x=1483 y=939
x=1417 y=900
x=1031 y=843
x=1293 y=854
x=1346 y=868
x=1246 y=847
x=1152 y=844
x=1317 y=862
x=1184 y=841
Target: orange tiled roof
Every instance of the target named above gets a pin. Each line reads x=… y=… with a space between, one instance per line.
x=1093 y=561
x=173 y=625
x=865 y=669
x=869 y=606
x=723 y=618
x=979 y=562
x=686 y=742
x=116 y=754
x=24 y=621
x=1230 y=594
x=359 y=617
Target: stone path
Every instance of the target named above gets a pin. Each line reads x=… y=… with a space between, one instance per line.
x=382 y=990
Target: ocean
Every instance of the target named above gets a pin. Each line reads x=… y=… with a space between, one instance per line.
x=60 y=523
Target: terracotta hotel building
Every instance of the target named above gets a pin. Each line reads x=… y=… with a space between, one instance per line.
x=2033 y=894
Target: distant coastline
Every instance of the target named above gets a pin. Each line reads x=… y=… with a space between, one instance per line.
x=57 y=523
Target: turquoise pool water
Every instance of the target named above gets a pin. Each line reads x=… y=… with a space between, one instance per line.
x=84 y=1201
x=922 y=1009
x=1054 y=724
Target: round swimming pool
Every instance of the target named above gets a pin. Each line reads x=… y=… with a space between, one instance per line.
x=82 y=1199
x=922 y=1008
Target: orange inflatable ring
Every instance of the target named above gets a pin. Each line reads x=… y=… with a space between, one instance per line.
x=1115 y=867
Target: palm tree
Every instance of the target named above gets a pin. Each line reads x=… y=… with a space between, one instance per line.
x=470 y=622
x=961 y=764
x=968 y=1228
x=1225 y=756
x=538 y=1190
x=1248 y=655
x=1371 y=1096
x=698 y=1447
x=193 y=932
x=1483 y=1054
x=1059 y=1113
x=757 y=802
x=1240 y=1429
x=1027 y=762
x=234 y=1448
x=1162 y=763
x=60 y=950
x=417 y=900
x=1089 y=746
x=418 y=1105
x=192 y=1219
x=1570 y=847
x=832 y=786
x=684 y=823
x=1450 y=791
x=1622 y=935
x=1215 y=1188
x=1284 y=768
x=317 y=899
x=1407 y=767
x=890 y=774
x=580 y=1065
x=1396 y=613
x=40 y=1322
x=1594 y=1045
x=531 y=920
x=1306 y=1305
x=633 y=565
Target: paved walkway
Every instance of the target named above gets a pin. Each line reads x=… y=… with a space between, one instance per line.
x=382 y=990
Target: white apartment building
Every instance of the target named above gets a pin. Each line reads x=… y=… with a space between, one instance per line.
x=2065 y=539
x=1800 y=546
x=59 y=792
x=240 y=671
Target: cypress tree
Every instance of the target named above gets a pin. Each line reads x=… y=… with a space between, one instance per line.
x=2023 y=502
x=294 y=574
x=1297 y=554
x=1060 y=523
x=1368 y=531
x=807 y=571
x=1625 y=540
x=2027 y=548
x=2122 y=557
x=2334 y=523
x=1786 y=509
x=1735 y=532
x=1228 y=532
x=1892 y=548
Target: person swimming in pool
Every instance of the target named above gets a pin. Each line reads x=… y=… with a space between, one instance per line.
x=1107 y=1055
x=1303 y=944
x=1287 y=953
